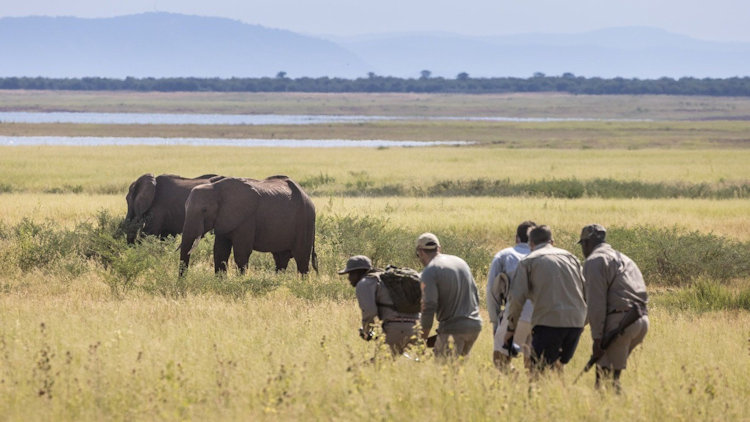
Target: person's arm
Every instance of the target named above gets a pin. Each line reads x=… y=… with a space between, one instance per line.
x=519 y=291
x=493 y=302
x=595 y=274
x=429 y=302
x=366 y=291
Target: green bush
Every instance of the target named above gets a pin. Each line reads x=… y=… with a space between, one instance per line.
x=339 y=237
x=39 y=245
x=666 y=256
x=555 y=188
x=669 y=257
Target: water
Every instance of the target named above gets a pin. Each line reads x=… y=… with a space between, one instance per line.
x=277 y=143
x=240 y=119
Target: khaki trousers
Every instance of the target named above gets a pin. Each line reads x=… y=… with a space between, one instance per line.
x=399 y=335
x=460 y=346
x=616 y=355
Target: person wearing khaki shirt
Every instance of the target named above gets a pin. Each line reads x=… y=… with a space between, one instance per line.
x=552 y=278
x=375 y=300
x=613 y=284
x=450 y=295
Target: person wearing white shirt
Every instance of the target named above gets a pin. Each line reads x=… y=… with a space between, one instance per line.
x=502 y=269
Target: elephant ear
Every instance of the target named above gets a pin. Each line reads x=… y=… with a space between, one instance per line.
x=141 y=195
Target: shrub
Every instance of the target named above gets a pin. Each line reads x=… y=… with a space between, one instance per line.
x=666 y=256
x=669 y=257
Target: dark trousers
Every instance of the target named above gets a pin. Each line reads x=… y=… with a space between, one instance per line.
x=551 y=344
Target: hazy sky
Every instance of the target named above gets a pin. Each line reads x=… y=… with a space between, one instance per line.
x=721 y=20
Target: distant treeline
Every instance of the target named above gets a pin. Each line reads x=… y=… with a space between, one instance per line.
x=463 y=83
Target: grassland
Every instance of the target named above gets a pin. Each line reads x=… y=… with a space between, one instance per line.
x=556 y=135
x=663 y=121
x=79 y=355
x=91 y=329
x=112 y=169
x=656 y=107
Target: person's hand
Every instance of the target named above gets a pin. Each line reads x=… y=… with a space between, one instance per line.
x=596 y=349
x=366 y=335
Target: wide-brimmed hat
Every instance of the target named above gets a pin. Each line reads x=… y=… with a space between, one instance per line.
x=357 y=262
x=593 y=231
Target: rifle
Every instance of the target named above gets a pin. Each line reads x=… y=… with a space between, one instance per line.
x=633 y=314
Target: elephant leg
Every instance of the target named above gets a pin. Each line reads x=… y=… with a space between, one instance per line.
x=242 y=256
x=282 y=259
x=303 y=261
x=222 y=249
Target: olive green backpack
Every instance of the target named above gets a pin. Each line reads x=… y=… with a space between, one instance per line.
x=405 y=288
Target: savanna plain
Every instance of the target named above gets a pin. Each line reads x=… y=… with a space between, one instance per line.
x=94 y=329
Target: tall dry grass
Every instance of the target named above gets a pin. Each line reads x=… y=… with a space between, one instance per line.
x=71 y=352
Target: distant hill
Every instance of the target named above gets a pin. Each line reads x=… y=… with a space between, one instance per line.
x=174 y=45
x=632 y=52
x=164 y=44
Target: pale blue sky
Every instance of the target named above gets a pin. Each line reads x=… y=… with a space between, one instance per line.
x=720 y=20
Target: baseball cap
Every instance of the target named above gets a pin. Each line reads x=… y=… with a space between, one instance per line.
x=427 y=241
x=593 y=231
x=357 y=262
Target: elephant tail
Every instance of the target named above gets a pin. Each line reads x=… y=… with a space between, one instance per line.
x=314 y=259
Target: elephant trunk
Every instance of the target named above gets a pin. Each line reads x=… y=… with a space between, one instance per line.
x=140 y=196
x=190 y=239
x=132 y=227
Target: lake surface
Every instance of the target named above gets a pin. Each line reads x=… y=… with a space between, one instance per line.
x=271 y=143
x=239 y=119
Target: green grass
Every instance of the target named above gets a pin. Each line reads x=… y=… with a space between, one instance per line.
x=705 y=295
x=391 y=171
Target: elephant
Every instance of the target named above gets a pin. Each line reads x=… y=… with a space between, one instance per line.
x=156 y=205
x=272 y=215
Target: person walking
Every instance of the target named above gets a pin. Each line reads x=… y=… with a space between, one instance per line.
x=502 y=269
x=614 y=286
x=552 y=278
x=375 y=300
x=450 y=295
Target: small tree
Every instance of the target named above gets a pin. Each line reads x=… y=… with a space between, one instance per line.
x=463 y=76
x=425 y=74
x=281 y=75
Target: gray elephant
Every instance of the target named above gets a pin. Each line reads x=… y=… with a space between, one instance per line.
x=156 y=205
x=272 y=215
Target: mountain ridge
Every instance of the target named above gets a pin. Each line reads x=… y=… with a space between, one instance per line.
x=160 y=44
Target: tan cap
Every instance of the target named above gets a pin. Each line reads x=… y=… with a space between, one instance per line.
x=593 y=231
x=357 y=262
x=427 y=241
